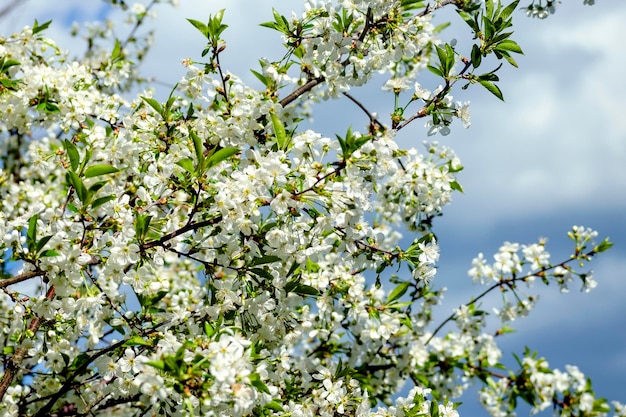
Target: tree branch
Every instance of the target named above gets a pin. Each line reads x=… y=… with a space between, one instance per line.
x=21 y=277
x=13 y=364
x=301 y=90
x=182 y=230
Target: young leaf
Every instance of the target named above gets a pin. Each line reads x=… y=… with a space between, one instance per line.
x=435 y=70
x=41 y=243
x=81 y=191
x=186 y=164
x=199 y=149
x=221 y=155
x=260 y=77
x=116 y=54
x=493 y=89
x=476 y=56
x=255 y=380
x=508 y=10
x=456 y=186
x=398 y=292
x=203 y=28
x=265 y=260
x=39 y=28
x=216 y=27
x=136 y=341
x=72 y=154
x=279 y=132
x=154 y=104
x=31 y=233
x=102 y=200
x=100 y=169
x=509 y=45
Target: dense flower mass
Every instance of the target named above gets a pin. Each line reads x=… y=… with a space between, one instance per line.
x=206 y=256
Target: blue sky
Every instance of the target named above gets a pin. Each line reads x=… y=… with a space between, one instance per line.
x=552 y=156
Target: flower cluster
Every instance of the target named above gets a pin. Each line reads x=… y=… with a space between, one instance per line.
x=206 y=256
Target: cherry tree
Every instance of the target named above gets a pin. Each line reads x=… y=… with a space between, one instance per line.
x=205 y=255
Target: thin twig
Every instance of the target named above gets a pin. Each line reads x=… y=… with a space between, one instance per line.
x=301 y=90
x=182 y=230
x=373 y=119
x=429 y=9
x=449 y=83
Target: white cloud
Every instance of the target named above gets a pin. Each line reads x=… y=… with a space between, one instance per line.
x=560 y=139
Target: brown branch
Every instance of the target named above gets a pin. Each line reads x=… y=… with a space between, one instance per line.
x=301 y=90
x=175 y=233
x=373 y=120
x=21 y=277
x=13 y=363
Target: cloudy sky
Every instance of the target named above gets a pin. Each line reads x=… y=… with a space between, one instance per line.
x=553 y=155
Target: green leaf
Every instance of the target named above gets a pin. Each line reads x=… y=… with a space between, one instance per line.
x=203 y=28
x=216 y=27
x=79 y=187
x=72 y=154
x=208 y=329
x=116 y=54
x=265 y=260
x=509 y=45
x=603 y=246
x=260 y=77
x=262 y=273
x=489 y=28
x=510 y=60
x=154 y=104
x=435 y=70
x=100 y=169
x=398 y=292
x=95 y=187
x=399 y=305
x=489 y=8
x=199 y=149
x=449 y=57
x=41 y=243
x=31 y=233
x=221 y=155
x=279 y=132
x=469 y=19
x=508 y=10
x=142 y=223
x=102 y=200
x=80 y=360
x=493 y=89
x=477 y=56
x=137 y=341
x=280 y=23
x=48 y=107
x=456 y=186
x=186 y=164
x=302 y=289
x=39 y=28
x=157 y=364
x=5 y=64
x=274 y=405
x=255 y=380
x=443 y=59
